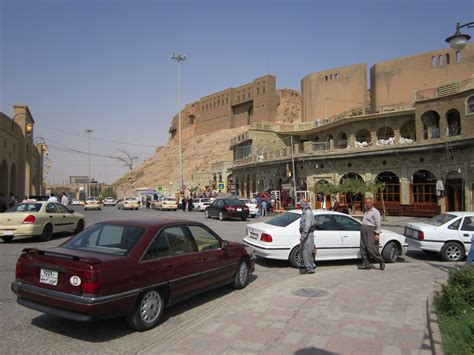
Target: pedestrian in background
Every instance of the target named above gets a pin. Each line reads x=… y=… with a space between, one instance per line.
x=264 y=208
x=307 y=237
x=52 y=198
x=64 y=199
x=183 y=204
x=370 y=237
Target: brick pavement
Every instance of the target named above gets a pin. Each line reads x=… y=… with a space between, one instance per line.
x=358 y=312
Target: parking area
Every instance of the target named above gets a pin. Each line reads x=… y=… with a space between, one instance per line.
x=339 y=309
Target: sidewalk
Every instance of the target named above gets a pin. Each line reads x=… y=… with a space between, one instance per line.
x=339 y=309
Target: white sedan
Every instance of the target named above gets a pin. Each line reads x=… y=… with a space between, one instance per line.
x=253 y=208
x=337 y=237
x=200 y=204
x=449 y=233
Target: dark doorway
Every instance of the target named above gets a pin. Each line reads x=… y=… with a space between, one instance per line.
x=454 y=193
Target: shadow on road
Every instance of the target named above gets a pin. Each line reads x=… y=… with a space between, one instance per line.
x=106 y=330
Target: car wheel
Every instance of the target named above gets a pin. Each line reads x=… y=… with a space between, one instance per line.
x=241 y=277
x=390 y=252
x=80 y=226
x=207 y=214
x=47 y=233
x=295 y=258
x=7 y=238
x=452 y=251
x=147 y=311
x=221 y=216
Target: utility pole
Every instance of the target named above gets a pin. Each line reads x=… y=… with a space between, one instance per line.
x=88 y=132
x=179 y=58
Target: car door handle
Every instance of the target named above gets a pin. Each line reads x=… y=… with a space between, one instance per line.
x=465 y=235
x=345 y=236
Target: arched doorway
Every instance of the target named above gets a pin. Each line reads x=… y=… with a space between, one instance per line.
x=353 y=201
x=322 y=200
x=385 y=135
x=424 y=188
x=13 y=181
x=4 y=179
x=363 y=138
x=430 y=121
x=454 y=190
x=391 y=192
x=329 y=141
x=453 y=119
x=342 y=140
x=408 y=131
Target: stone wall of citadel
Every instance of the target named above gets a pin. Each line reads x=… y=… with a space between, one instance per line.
x=393 y=83
x=254 y=102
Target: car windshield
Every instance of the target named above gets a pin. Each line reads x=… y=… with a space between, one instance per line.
x=169 y=199
x=26 y=207
x=284 y=219
x=440 y=219
x=131 y=199
x=107 y=239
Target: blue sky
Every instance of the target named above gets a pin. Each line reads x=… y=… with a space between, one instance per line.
x=105 y=64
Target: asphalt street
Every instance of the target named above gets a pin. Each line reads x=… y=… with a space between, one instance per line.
x=26 y=331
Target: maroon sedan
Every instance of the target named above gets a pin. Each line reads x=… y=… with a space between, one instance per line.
x=131 y=268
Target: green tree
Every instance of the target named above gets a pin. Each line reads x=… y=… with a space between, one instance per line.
x=107 y=192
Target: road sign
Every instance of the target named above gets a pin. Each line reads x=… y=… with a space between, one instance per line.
x=221 y=186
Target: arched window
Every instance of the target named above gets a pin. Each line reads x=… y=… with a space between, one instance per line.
x=424 y=187
x=458 y=57
x=363 y=137
x=440 y=58
x=430 y=121
x=453 y=119
x=342 y=140
x=385 y=135
x=391 y=193
x=408 y=130
x=470 y=105
x=447 y=58
x=329 y=140
x=434 y=61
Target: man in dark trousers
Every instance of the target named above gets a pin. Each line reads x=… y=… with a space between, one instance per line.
x=307 y=237
x=370 y=237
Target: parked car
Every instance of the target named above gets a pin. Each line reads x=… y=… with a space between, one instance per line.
x=253 y=208
x=40 y=218
x=448 y=234
x=165 y=203
x=200 y=204
x=109 y=201
x=337 y=237
x=92 y=203
x=128 y=203
x=224 y=208
x=134 y=269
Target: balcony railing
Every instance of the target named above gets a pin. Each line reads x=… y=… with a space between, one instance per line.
x=444 y=90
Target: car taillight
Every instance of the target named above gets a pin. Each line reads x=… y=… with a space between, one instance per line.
x=229 y=208
x=19 y=269
x=421 y=235
x=266 y=238
x=90 y=284
x=29 y=220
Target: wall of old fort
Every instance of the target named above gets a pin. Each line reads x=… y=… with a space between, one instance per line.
x=327 y=93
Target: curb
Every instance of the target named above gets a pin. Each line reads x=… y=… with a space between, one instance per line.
x=434 y=334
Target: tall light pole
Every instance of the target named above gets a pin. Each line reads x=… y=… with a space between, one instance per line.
x=179 y=58
x=88 y=132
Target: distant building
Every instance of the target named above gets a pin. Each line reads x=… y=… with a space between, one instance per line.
x=21 y=158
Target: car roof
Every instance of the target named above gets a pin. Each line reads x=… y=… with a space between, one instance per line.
x=149 y=222
x=460 y=213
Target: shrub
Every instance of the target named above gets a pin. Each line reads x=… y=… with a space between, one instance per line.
x=457 y=296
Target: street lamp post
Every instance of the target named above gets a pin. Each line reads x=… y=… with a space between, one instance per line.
x=459 y=40
x=179 y=58
x=88 y=132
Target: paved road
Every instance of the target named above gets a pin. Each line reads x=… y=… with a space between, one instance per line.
x=260 y=318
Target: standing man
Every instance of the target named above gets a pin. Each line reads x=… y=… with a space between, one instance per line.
x=264 y=208
x=307 y=237
x=52 y=198
x=370 y=237
x=64 y=199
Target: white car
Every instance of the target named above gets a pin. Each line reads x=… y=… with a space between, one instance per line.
x=109 y=201
x=448 y=233
x=253 y=208
x=200 y=204
x=337 y=237
x=92 y=203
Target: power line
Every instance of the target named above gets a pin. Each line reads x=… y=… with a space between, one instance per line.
x=96 y=139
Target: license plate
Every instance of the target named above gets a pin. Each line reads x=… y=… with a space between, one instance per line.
x=253 y=235
x=49 y=277
x=239 y=209
x=7 y=232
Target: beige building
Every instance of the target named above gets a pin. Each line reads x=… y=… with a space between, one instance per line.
x=418 y=138
x=21 y=157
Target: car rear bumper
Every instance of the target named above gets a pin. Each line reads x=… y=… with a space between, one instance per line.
x=74 y=307
x=424 y=245
x=26 y=230
x=270 y=252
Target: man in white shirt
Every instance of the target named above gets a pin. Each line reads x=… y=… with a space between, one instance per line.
x=64 y=199
x=52 y=198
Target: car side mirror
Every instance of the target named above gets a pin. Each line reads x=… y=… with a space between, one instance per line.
x=225 y=244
